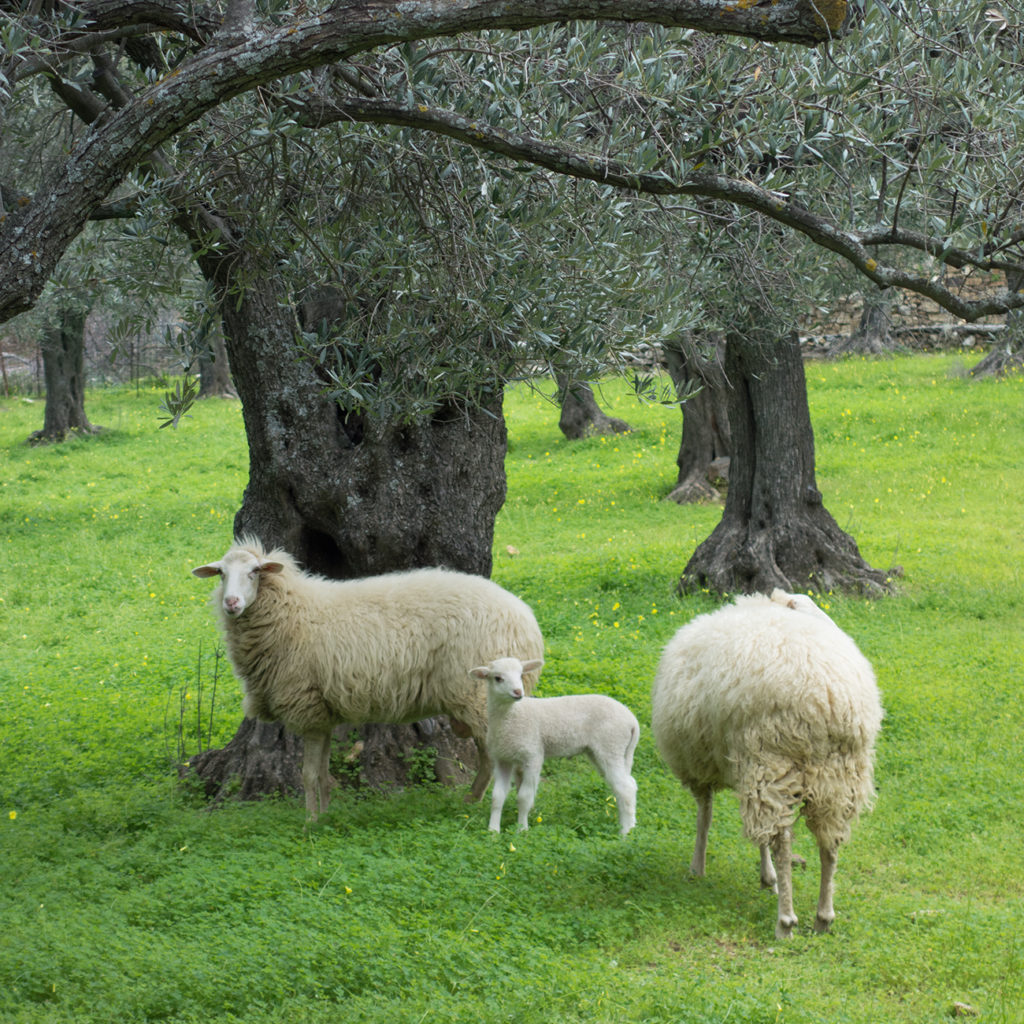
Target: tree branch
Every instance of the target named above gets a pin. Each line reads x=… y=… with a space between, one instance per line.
x=851 y=245
x=33 y=237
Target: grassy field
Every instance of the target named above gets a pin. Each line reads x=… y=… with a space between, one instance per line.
x=124 y=899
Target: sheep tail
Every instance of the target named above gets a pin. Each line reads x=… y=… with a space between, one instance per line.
x=830 y=795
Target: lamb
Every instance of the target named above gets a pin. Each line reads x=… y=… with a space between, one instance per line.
x=312 y=652
x=767 y=696
x=523 y=731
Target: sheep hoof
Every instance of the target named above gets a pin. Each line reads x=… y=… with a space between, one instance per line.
x=784 y=927
x=822 y=925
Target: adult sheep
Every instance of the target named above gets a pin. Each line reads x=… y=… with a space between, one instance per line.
x=767 y=696
x=312 y=652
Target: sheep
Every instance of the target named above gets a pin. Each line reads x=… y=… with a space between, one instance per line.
x=312 y=652
x=767 y=696
x=523 y=731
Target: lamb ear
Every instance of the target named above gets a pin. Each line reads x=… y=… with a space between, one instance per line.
x=480 y=673
x=204 y=571
x=533 y=666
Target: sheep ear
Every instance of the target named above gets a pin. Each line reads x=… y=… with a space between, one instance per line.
x=205 y=571
x=533 y=666
x=271 y=567
x=480 y=673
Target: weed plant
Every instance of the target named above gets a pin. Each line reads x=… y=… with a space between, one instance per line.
x=125 y=899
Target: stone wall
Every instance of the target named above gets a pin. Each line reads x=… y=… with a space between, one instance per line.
x=917 y=322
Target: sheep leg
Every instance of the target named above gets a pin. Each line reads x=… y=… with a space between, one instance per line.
x=315 y=751
x=769 y=880
x=326 y=783
x=483 y=772
x=527 y=792
x=782 y=845
x=828 y=855
x=502 y=784
x=623 y=785
x=705 y=808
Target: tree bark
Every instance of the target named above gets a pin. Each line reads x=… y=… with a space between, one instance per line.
x=63 y=348
x=262 y=759
x=1006 y=357
x=706 y=445
x=349 y=494
x=581 y=416
x=775 y=530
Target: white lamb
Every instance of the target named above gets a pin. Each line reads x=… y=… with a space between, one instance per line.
x=311 y=652
x=767 y=696
x=522 y=731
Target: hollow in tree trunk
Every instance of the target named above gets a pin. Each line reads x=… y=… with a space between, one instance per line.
x=349 y=496
x=696 y=369
x=63 y=348
x=581 y=416
x=775 y=531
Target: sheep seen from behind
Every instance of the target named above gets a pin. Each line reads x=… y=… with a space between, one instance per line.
x=768 y=697
x=312 y=652
x=523 y=731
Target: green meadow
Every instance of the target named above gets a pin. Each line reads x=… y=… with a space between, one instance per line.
x=124 y=898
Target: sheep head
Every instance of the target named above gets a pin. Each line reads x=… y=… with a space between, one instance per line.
x=504 y=677
x=798 y=602
x=240 y=571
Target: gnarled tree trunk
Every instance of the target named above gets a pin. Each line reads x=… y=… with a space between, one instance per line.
x=1007 y=355
x=775 y=530
x=581 y=416
x=705 y=449
x=63 y=348
x=214 y=373
x=873 y=333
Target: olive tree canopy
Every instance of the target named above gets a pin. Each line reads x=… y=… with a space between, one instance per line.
x=921 y=92
x=242 y=46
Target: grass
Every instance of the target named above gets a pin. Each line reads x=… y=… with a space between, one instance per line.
x=124 y=899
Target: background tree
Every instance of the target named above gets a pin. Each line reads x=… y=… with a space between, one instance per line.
x=63 y=349
x=580 y=415
x=788 y=115
x=783 y=115
x=873 y=333
x=696 y=363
